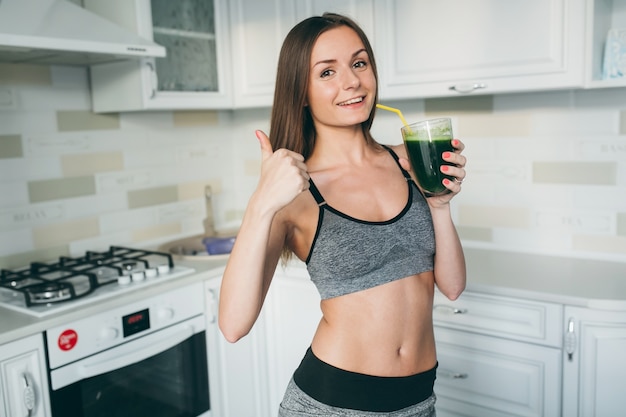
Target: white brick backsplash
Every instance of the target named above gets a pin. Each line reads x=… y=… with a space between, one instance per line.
x=505 y=136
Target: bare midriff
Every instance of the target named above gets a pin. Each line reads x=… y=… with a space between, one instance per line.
x=383 y=331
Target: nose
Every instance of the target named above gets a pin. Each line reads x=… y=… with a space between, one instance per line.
x=351 y=80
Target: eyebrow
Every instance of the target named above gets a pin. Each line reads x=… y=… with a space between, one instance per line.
x=328 y=61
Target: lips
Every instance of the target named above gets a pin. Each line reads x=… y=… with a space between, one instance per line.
x=352 y=101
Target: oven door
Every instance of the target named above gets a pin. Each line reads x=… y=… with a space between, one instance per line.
x=163 y=374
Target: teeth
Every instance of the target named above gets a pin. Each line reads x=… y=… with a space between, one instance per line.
x=354 y=100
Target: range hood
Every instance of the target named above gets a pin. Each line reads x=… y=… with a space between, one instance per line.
x=63 y=33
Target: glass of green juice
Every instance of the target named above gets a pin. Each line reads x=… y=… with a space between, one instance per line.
x=425 y=143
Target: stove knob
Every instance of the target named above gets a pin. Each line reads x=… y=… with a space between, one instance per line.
x=151 y=272
x=163 y=269
x=108 y=333
x=123 y=279
x=138 y=276
x=165 y=313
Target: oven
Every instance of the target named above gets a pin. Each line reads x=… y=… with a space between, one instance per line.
x=146 y=357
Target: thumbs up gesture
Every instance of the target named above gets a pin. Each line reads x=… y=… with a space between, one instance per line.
x=283 y=174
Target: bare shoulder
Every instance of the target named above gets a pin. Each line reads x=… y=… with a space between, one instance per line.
x=400 y=150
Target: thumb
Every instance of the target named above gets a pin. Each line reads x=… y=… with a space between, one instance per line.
x=266 y=146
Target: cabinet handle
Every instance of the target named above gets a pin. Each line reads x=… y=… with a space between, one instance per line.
x=467 y=88
x=449 y=309
x=570 y=340
x=452 y=375
x=212 y=306
x=28 y=395
x=153 y=77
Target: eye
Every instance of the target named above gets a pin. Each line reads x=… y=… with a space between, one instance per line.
x=360 y=64
x=326 y=73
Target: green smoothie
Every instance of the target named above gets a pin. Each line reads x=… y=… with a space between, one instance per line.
x=425 y=156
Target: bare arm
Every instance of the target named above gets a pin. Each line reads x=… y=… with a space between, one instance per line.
x=259 y=242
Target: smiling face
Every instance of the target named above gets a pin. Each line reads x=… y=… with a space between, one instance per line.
x=342 y=84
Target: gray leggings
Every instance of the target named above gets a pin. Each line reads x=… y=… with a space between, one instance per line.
x=296 y=403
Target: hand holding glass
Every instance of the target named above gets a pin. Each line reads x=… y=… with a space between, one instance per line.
x=425 y=143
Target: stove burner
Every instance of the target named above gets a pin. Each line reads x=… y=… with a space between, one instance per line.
x=71 y=278
x=49 y=292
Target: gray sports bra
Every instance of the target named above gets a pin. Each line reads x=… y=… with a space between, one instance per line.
x=350 y=255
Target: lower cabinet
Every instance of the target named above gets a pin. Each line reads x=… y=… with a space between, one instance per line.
x=23 y=381
x=497 y=357
x=594 y=363
x=486 y=376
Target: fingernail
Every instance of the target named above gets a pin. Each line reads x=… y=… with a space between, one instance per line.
x=447 y=154
x=455 y=142
x=445 y=168
x=446 y=181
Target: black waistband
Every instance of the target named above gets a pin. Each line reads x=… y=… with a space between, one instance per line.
x=339 y=388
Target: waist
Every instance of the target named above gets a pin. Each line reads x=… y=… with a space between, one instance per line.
x=345 y=389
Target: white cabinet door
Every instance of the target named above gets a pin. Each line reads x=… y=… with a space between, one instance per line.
x=237 y=371
x=23 y=381
x=437 y=48
x=194 y=75
x=492 y=377
x=258 y=29
x=602 y=16
x=292 y=313
x=594 y=364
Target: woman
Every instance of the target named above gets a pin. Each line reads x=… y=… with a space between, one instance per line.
x=334 y=197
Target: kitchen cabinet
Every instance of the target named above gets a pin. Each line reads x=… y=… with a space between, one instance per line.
x=195 y=74
x=602 y=15
x=230 y=63
x=594 y=364
x=447 y=48
x=292 y=313
x=23 y=381
x=240 y=368
x=498 y=356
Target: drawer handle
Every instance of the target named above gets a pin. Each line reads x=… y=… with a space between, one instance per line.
x=452 y=375
x=440 y=308
x=467 y=88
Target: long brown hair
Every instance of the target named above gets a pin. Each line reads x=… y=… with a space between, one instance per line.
x=291 y=122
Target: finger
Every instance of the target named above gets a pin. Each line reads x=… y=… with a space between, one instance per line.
x=458 y=145
x=266 y=146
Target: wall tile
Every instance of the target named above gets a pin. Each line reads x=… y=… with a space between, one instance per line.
x=155 y=232
x=22 y=259
x=606 y=244
x=85 y=164
x=475 y=233
x=195 y=118
x=152 y=196
x=61 y=188
x=582 y=173
x=455 y=105
x=621 y=224
x=64 y=233
x=23 y=74
x=11 y=146
x=196 y=189
x=494 y=125
x=494 y=216
x=69 y=121
x=622 y=122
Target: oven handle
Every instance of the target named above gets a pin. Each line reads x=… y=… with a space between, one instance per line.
x=129 y=358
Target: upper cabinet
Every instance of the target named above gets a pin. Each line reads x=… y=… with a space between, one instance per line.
x=194 y=74
x=428 y=49
x=602 y=16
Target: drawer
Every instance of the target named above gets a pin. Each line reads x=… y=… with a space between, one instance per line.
x=512 y=318
x=492 y=377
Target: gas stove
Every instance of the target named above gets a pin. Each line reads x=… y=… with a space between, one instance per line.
x=45 y=288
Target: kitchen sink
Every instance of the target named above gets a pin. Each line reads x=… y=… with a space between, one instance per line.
x=193 y=247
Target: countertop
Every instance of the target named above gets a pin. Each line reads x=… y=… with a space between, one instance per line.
x=577 y=282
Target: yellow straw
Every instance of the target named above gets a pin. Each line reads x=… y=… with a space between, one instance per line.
x=398 y=112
